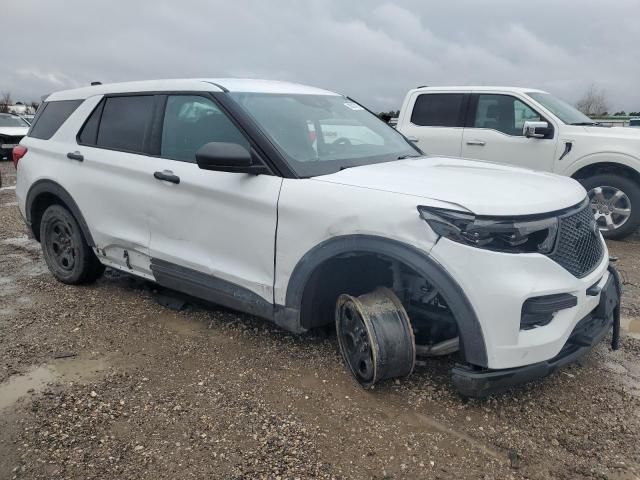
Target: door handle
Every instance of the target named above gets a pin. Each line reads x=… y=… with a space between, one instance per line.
x=75 y=156
x=167 y=176
x=480 y=143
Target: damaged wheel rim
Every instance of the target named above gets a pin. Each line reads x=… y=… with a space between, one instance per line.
x=356 y=344
x=375 y=336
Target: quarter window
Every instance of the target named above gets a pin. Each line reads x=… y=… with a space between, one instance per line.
x=438 y=110
x=503 y=113
x=51 y=117
x=125 y=123
x=192 y=121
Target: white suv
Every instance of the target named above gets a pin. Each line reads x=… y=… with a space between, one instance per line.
x=298 y=205
x=533 y=129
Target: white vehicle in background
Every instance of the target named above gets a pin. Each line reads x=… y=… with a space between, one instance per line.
x=532 y=129
x=298 y=205
x=12 y=129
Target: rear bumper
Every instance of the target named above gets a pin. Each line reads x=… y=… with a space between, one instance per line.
x=473 y=382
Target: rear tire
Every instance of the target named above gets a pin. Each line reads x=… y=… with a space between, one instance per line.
x=605 y=201
x=66 y=252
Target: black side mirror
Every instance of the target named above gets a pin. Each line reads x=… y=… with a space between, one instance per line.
x=228 y=157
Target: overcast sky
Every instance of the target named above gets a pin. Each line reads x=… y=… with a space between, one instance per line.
x=371 y=50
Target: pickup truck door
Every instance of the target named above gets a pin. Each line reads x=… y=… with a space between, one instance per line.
x=494 y=133
x=435 y=122
x=212 y=233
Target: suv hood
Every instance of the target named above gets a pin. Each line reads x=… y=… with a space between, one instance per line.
x=483 y=188
x=14 y=131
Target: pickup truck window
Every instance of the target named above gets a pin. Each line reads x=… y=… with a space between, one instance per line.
x=561 y=109
x=438 y=110
x=504 y=113
x=323 y=134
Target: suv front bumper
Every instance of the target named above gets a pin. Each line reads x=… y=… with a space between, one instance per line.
x=478 y=382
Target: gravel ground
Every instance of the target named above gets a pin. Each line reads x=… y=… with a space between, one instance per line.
x=102 y=382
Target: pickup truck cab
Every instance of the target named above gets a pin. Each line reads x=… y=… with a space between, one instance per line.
x=531 y=128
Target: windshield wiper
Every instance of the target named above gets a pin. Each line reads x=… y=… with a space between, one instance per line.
x=585 y=124
x=404 y=157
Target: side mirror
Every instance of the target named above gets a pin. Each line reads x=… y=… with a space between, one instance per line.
x=227 y=157
x=535 y=129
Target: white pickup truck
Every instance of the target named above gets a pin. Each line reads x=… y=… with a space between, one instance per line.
x=533 y=129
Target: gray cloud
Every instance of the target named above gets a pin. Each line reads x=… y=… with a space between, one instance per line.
x=372 y=50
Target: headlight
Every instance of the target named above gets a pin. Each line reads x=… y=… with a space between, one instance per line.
x=502 y=234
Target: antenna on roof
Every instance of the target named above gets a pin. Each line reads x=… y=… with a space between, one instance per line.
x=93 y=84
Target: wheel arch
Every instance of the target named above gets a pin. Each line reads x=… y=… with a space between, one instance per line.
x=473 y=345
x=606 y=162
x=44 y=193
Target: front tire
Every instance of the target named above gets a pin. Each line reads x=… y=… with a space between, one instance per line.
x=65 y=250
x=615 y=201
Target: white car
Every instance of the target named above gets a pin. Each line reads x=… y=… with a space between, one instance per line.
x=12 y=129
x=533 y=129
x=234 y=191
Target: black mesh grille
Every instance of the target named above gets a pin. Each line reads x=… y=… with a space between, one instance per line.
x=579 y=247
x=10 y=139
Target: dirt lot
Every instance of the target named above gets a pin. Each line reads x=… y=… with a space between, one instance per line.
x=103 y=382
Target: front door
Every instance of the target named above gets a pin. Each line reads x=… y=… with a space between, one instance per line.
x=494 y=133
x=212 y=233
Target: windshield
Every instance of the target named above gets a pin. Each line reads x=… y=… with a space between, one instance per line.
x=12 y=121
x=561 y=109
x=322 y=134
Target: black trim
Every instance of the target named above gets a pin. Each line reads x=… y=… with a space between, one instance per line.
x=472 y=342
x=210 y=288
x=50 y=187
x=588 y=332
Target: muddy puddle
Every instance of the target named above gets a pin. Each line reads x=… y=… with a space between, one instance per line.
x=64 y=370
x=631 y=326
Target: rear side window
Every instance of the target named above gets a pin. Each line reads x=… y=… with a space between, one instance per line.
x=51 y=118
x=125 y=123
x=438 y=110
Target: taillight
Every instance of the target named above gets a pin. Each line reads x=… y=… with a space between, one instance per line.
x=18 y=152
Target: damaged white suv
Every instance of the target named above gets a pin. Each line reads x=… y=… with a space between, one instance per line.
x=298 y=205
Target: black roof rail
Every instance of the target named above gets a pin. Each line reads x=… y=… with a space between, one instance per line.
x=422 y=86
x=93 y=84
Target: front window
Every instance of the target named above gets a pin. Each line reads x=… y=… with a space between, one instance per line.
x=322 y=134
x=12 y=121
x=503 y=113
x=561 y=109
x=634 y=122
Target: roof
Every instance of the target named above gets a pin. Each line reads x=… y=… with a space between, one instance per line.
x=480 y=88
x=191 y=84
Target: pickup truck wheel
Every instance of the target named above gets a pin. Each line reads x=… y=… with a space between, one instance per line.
x=375 y=336
x=65 y=250
x=615 y=202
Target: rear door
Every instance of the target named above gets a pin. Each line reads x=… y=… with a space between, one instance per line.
x=212 y=233
x=112 y=184
x=436 y=121
x=494 y=133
